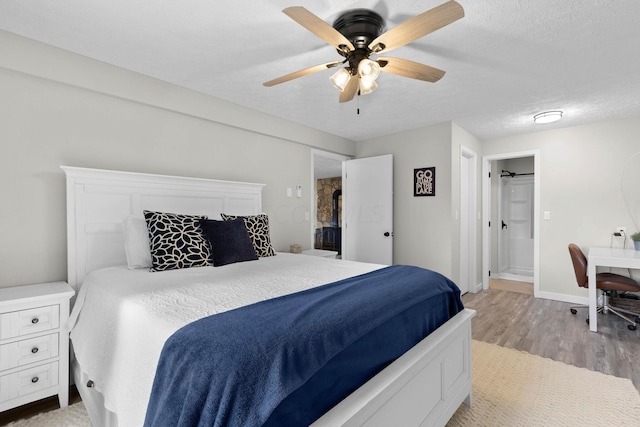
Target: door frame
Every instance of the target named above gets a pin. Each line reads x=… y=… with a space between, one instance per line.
x=486 y=214
x=469 y=217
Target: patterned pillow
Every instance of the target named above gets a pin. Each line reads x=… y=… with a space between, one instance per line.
x=176 y=241
x=258 y=228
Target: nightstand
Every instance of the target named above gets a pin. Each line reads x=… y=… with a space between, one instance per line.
x=34 y=343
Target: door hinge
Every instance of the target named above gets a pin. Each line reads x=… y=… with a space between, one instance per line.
x=489 y=174
x=489 y=273
x=489 y=223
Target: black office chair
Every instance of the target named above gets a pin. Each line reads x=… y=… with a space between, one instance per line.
x=608 y=283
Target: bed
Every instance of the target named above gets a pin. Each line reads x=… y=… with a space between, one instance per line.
x=123 y=317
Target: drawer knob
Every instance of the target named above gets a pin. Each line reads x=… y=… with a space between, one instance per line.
x=34 y=380
x=34 y=350
x=35 y=320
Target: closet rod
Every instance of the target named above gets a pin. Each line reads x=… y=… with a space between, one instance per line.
x=506 y=173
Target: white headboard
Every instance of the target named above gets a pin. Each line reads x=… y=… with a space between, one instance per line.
x=98 y=200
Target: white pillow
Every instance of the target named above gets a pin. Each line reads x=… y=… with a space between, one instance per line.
x=136 y=242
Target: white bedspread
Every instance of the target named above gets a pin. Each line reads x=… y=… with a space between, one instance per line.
x=121 y=318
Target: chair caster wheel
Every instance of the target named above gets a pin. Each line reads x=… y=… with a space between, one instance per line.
x=573 y=310
x=632 y=327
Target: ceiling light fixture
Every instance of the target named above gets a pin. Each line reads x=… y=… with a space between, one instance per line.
x=358 y=33
x=547 y=117
x=368 y=72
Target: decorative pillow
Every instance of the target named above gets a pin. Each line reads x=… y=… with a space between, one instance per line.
x=229 y=240
x=136 y=242
x=176 y=241
x=258 y=228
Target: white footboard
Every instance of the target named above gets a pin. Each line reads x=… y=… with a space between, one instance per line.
x=424 y=387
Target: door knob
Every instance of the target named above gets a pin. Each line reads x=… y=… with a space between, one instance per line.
x=387 y=234
x=504 y=225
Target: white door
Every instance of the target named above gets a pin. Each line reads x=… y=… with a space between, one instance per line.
x=367 y=209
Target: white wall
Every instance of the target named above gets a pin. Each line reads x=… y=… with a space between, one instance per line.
x=427 y=229
x=59 y=108
x=423 y=226
x=581 y=170
x=580 y=175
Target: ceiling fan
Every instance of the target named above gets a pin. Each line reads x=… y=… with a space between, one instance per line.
x=357 y=34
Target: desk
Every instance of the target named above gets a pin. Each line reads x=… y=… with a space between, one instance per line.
x=606 y=257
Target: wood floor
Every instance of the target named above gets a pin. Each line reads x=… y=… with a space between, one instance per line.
x=520 y=321
x=511 y=285
x=548 y=329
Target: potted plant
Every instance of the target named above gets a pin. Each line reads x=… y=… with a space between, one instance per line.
x=636 y=240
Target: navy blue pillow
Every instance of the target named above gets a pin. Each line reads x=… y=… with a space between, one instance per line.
x=229 y=240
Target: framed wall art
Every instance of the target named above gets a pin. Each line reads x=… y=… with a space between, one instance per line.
x=424 y=182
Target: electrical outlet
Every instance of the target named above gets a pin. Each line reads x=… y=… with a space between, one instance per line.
x=621 y=230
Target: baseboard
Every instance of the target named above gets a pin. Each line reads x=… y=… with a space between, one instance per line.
x=477 y=288
x=573 y=299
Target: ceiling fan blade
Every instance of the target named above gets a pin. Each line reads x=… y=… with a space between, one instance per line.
x=418 y=26
x=318 y=27
x=350 y=89
x=302 y=73
x=411 y=69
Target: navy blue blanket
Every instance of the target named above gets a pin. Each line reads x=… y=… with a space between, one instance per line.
x=288 y=360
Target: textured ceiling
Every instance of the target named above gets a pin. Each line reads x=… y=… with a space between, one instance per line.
x=505 y=60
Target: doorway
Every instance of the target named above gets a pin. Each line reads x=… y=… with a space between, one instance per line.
x=326 y=182
x=522 y=249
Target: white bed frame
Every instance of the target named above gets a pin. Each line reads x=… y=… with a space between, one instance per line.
x=424 y=387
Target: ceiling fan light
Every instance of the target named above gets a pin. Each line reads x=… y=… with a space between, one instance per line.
x=340 y=79
x=367 y=86
x=547 y=117
x=368 y=69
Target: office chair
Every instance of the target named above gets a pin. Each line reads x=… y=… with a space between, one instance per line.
x=608 y=283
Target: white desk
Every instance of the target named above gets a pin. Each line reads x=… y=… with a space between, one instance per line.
x=606 y=257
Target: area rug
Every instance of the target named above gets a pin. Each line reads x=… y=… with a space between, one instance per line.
x=514 y=388
x=510 y=388
x=72 y=416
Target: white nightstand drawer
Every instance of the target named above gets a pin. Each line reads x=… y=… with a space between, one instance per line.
x=25 y=322
x=34 y=343
x=28 y=351
x=28 y=381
